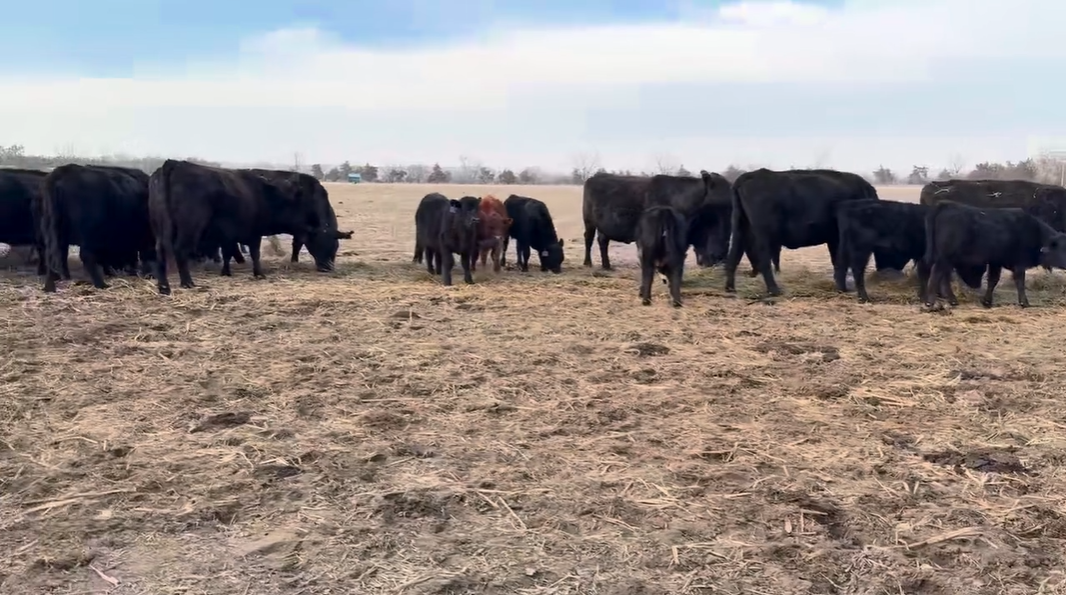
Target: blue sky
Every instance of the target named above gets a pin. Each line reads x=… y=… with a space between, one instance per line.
x=106 y=37
x=846 y=84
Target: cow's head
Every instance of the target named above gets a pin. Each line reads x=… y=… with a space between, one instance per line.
x=1053 y=250
x=465 y=214
x=552 y=257
x=709 y=233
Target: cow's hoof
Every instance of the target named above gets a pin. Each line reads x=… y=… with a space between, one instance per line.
x=986 y=303
x=677 y=304
x=644 y=302
x=164 y=290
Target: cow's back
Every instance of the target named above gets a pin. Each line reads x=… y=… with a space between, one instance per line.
x=612 y=204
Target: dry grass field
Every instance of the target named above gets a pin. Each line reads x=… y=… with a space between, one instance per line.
x=371 y=431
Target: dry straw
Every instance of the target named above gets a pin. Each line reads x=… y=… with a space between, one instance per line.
x=373 y=432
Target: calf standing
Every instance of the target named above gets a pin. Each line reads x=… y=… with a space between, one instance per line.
x=662 y=244
x=492 y=231
x=444 y=228
x=533 y=228
x=958 y=235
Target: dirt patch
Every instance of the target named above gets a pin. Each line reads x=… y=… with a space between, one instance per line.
x=369 y=431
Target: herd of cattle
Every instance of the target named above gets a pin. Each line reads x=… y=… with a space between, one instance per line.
x=124 y=218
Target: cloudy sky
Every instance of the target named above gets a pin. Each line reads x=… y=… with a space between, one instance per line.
x=513 y=83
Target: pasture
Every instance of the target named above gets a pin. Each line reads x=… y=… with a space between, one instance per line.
x=370 y=431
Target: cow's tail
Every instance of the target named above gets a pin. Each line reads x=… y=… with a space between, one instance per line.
x=159 y=186
x=930 y=237
x=49 y=226
x=737 y=225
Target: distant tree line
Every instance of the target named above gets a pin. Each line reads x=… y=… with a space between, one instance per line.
x=470 y=171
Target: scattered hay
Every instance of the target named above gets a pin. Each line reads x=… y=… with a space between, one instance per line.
x=370 y=431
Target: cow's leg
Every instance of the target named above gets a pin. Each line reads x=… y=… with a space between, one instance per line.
x=497 y=257
x=859 y=261
x=429 y=261
x=605 y=260
x=146 y=263
x=227 y=254
x=847 y=253
x=438 y=262
x=447 y=263
x=161 y=282
x=590 y=235
x=777 y=260
x=766 y=269
x=923 y=280
x=466 y=259
x=254 y=252
x=296 y=246
x=737 y=248
x=42 y=268
x=993 y=278
x=831 y=246
x=419 y=251
x=91 y=261
x=503 y=251
x=647 y=276
x=1019 y=283
x=64 y=251
x=676 y=272
x=523 y=252
x=945 y=283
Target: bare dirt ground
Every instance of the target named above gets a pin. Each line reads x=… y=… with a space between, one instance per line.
x=373 y=432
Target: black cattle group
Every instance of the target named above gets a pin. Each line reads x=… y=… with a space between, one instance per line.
x=965 y=226
x=124 y=219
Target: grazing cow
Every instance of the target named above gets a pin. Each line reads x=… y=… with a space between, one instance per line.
x=662 y=243
x=310 y=186
x=895 y=229
x=791 y=209
x=101 y=209
x=533 y=228
x=20 y=191
x=444 y=228
x=193 y=205
x=1044 y=201
x=493 y=227
x=612 y=205
x=959 y=235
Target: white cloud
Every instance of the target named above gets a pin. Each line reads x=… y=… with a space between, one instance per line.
x=524 y=96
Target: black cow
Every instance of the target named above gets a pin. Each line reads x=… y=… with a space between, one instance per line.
x=532 y=227
x=791 y=209
x=662 y=244
x=896 y=230
x=310 y=186
x=101 y=209
x=194 y=205
x=612 y=205
x=1047 y=202
x=959 y=235
x=444 y=228
x=20 y=191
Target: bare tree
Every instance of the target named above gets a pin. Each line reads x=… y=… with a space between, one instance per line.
x=417 y=173
x=468 y=170
x=666 y=163
x=957 y=163
x=821 y=159
x=585 y=164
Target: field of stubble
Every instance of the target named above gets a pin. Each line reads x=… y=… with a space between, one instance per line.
x=373 y=432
